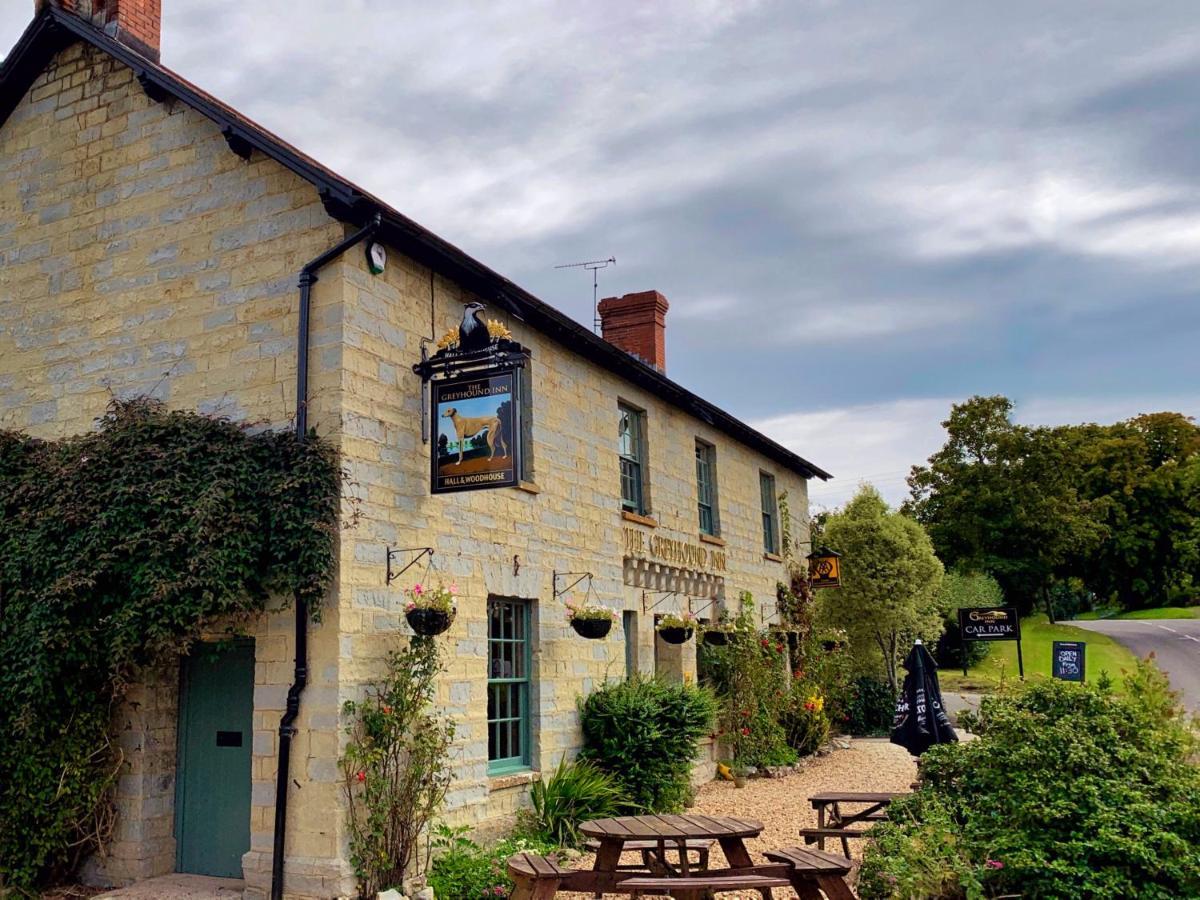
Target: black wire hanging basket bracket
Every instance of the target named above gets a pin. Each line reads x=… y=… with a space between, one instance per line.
x=662 y=596
x=394 y=552
x=578 y=576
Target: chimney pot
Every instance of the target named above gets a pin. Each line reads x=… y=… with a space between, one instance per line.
x=637 y=323
x=135 y=23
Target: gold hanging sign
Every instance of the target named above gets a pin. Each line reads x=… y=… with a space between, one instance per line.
x=824 y=568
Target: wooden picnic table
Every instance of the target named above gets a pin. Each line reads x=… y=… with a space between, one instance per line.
x=835 y=822
x=537 y=878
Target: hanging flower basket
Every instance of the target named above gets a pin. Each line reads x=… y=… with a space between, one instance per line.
x=716 y=637
x=591 y=622
x=430 y=610
x=429 y=622
x=676 y=629
x=592 y=629
x=675 y=635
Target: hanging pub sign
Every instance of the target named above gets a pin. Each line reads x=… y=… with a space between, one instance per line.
x=478 y=433
x=474 y=423
x=1068 y=660
x=824 y=568
x=991 y=623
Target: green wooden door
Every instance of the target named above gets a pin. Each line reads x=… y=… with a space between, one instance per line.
x=212 y=784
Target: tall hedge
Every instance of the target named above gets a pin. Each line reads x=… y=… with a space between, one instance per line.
x=118 y=549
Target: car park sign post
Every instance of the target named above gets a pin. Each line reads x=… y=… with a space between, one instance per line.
x=991 y=623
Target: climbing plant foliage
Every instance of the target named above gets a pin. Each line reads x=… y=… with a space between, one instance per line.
x=119 y=548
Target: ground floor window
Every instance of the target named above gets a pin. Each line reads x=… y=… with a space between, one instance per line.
x=508 y=685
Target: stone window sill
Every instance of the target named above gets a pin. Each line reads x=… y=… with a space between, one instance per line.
x=773 y=557
x=648 y=521
x=516 y=779
x=712 y=539
x=529 y=487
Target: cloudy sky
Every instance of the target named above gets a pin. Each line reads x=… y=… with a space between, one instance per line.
x=860 y=212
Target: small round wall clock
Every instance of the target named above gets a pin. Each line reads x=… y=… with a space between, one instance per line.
x=376 y=258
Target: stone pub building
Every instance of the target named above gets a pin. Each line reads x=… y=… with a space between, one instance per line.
x=151 y=239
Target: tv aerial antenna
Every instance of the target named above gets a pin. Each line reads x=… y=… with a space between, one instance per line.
x=595 y=265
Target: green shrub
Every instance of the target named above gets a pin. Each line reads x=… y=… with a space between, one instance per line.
x=574 y=793
x=1069 y=791
x=644 y=733
x=463 y=870
x=396 y=767
x=920 y=860
x=803 y=718
x=870 y=707
x=750 y=678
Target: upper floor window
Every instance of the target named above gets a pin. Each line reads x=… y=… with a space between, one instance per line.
x=706 y=488
x=632 y=448
x=770 y=513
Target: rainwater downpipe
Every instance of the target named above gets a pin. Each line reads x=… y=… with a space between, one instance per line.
x=287 y=724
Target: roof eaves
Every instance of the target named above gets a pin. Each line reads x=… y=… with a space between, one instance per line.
x=52 y=30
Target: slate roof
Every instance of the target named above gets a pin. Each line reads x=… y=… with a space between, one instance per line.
x=52 y=30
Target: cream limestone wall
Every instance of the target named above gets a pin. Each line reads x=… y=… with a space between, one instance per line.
x=141 y=256
x=567 y=520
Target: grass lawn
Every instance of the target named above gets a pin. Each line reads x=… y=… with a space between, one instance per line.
x=1165 y=612
x=1037 y=637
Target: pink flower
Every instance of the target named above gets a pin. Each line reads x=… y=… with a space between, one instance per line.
x=418 y=589
x=994 y=864
x=454 y=588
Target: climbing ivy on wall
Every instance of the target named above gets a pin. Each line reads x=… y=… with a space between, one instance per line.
x=118 y=549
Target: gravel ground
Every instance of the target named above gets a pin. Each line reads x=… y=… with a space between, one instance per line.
x=781 y=804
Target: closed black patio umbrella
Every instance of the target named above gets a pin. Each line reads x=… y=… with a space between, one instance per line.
x=921 y=720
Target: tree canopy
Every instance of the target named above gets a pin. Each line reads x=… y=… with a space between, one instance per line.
x=891 y=581
x=1116 y=507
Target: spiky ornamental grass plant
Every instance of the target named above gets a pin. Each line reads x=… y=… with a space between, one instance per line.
x=119 y=548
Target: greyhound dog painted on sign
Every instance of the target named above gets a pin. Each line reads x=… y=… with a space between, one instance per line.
x=477 y=433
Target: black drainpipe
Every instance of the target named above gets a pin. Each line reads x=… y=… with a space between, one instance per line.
x=287 y=724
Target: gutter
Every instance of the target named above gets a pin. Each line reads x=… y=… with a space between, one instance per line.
x=287 y=724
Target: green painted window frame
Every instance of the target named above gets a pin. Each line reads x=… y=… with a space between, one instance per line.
x=631 y=448
x=770 y=513
x=706 y=489
x=520 y=640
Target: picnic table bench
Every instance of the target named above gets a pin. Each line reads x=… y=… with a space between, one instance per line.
x=835 y=822
x=807 y=871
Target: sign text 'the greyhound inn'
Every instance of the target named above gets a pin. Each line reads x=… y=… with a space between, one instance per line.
x=668 y=550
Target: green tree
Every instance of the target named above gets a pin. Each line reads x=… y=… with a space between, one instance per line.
x=963 y=590
x=890 y=582
x=1002 y=498
x=1144 y=477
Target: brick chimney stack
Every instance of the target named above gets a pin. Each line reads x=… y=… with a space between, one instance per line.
x=135 y=23
x=637 y=323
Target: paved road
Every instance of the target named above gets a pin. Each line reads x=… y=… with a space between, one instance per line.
x=1175 y=643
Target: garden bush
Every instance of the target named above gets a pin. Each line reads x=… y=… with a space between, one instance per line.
x=463 y=870
x=750 y=678
x=119 y=548
x=803 y=718
x=870 y=707
x=574 y=793
x=396 y=767
x=644 y=732
x=1069 y=791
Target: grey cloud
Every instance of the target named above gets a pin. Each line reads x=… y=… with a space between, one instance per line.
x=847 y=204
